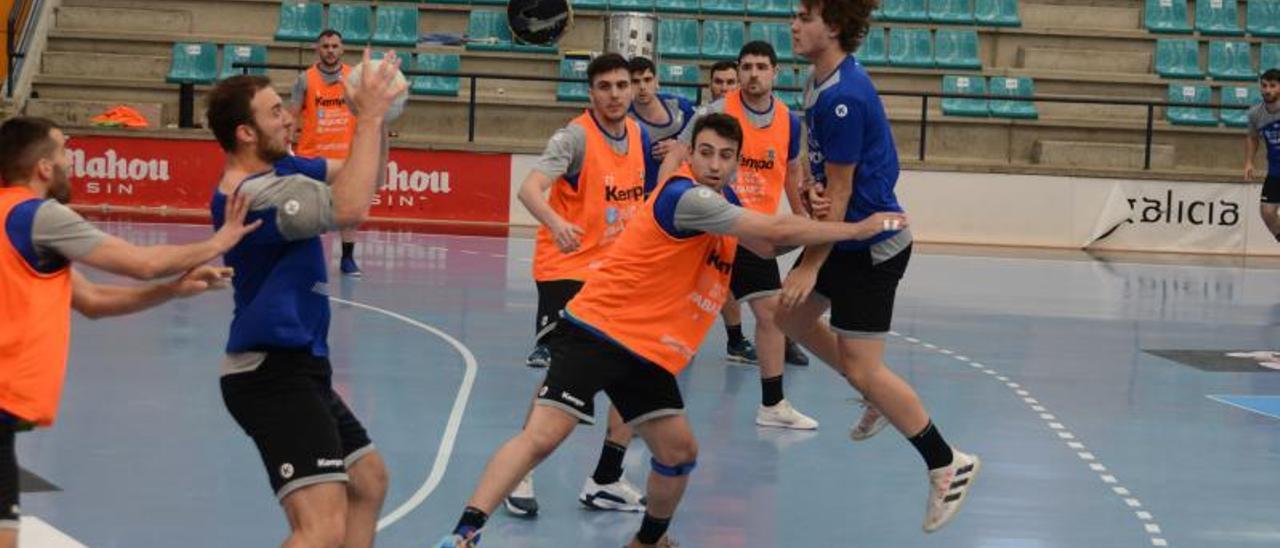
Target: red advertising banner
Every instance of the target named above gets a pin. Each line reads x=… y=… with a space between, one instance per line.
x=182 y=174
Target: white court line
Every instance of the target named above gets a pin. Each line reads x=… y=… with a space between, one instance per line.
x=1220 y=399
x=450 y=436
x=36 y=533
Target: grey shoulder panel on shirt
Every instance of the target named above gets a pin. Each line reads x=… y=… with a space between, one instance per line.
x=564 y=152
x=304 y=206
x=59 y=230
x=714 y=107
x=702 y=209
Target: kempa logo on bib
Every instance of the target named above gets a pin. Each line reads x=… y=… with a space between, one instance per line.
x=328 y=463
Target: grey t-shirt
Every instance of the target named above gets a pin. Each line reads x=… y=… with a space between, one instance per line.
x=58 y=232
x=758 y=119
x=702 y=209
x=564 y=152
x=679 y=111
x=1266 y=125
x=300 y=86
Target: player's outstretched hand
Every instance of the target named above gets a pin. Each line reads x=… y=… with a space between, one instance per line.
x=201 y=279
x=881 y=222
x=798 y=285
x=568 y=236
x=233 y=225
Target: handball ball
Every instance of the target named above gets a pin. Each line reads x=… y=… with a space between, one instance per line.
x=397 y=107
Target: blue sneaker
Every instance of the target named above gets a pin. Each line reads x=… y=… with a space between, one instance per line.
x=349 y=267
x=540 y=358
x=742 y=352
x=454 y=540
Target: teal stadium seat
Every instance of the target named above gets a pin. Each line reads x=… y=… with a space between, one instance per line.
x=678 y=38
x=951 y=11
x=573 y=92
x=1167 y=16
x=397 y=25
x=683 y=74
x=721 y=40
x=787 y=79
x=724 y=7
x=246 y=53
x=778 y=34
x=193 y=63
x=441 y=86
x=631 y=5
x=676 y=6
x=300 y=21
x=1263 y=18
x=997 y=13
x=904 y=10
x=1217 y=17
x=873 y=52
x=1191 y=116
x=1231 y=61
x=956 y=49
x=1238 y=95
x=1270 y=57
x=910 y=47
x=1176 y=58
x=965 y=85
x=1012 y=87
x=769 y=8
x=353 y=21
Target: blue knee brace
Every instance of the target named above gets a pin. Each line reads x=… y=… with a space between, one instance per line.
x=675 y=471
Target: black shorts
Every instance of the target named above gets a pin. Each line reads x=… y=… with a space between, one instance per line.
x=583 y=364
x=9 y=511
x=304 y=432
x=754 y=276
x=861 y=292
x=552 y=298
x=1271 y=190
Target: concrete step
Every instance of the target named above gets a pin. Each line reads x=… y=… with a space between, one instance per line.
x=91 y=17
x=1081 y=15
x=1123 y=62
x=1101 y=155
x=104 y=65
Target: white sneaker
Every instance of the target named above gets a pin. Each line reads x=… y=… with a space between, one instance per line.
x=871 y=423
x=784 y=416
x=522 y=502
x=948 y=487
x=620 y=496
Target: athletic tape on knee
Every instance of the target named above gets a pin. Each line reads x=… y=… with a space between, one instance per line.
x=673 y=471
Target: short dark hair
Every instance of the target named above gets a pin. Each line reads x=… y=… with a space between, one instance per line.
x=761 y=48
x=641 y=64
x=231 y=105
x=722 y=124
x=723 y=65
x=851 y=17
x=1271 y=75
x=608 y=62
x=327 y=33
x=24 y=140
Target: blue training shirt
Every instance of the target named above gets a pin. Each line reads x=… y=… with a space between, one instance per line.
x=848 y=125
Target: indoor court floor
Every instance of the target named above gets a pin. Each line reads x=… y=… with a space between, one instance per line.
x=1118 y=402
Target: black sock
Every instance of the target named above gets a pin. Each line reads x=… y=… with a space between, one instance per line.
x=771 y=391
x=472 y=520
x=932 y=447
x=652 y=529
x=347 y=249
x=735 y=333
x=609 y=469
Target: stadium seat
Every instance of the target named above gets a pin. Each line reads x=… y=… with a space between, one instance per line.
x=397 y=26
x=778 y=34
x=722 y=39
x=353 y=21
x=997 y=13
x=193 y=63
x=873 y=52
x=590 y=5
x=300 y=21
x=1191 y=116
x=1238 y=95
x=1012 y=87
x=684 y=74
x=1263 y=18
x=966 y=85
x=445 y=86
x=1231 y=61
x=957 y=49
x=910 y=47
x=492 y=28
x=1167 y=16
x=724 y=7
x=631 y=5
x=1217 y=17
x=676 y=6
x=573 y=92
x=1178 y=58
x=904 y=10
x=678 y=38
x=1270 y=57
x=951 y=11
x=232 y=53
x=787 y=79
x=769 y=8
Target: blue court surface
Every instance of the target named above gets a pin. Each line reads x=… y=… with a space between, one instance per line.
x=1082 y=382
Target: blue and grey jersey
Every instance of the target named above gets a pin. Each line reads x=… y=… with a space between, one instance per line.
x=1266 y=125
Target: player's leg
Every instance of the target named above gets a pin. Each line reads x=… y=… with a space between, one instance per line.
x=738 y=348
x=774 y=408
x=348 y=264
x=317 y=516
x=553 y=295
x=607 y=488
x=1270 y=206
x=367 y=473
x=9 y=510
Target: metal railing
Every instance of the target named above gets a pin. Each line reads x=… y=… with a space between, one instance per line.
x=18 y=29
x=924 y=97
